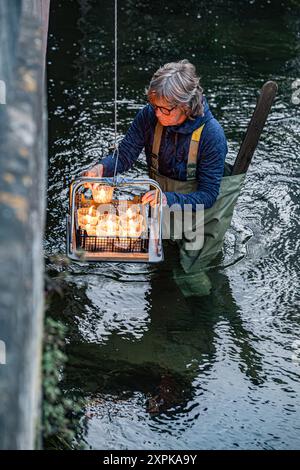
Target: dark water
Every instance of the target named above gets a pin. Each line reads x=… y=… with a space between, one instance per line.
x=229 y=360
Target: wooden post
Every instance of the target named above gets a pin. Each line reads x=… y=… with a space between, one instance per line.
x=255 y=128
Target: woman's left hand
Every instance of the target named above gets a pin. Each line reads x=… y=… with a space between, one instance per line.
x=151 y=197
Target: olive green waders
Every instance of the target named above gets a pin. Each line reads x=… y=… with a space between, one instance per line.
x=217 y=219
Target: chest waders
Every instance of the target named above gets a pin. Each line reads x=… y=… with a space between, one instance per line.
x=217 y=219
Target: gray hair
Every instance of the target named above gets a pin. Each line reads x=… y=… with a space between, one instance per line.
x=178 y=83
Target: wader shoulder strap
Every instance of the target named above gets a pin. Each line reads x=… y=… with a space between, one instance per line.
x=156 y=145
x=193 y=153
x=193 y=150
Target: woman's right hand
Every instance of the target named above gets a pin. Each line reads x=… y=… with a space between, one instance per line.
x=94 y=172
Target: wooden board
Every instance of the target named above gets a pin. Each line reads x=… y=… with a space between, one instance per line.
x=110 y=256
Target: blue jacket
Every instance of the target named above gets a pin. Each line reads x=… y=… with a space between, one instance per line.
x=173 y=158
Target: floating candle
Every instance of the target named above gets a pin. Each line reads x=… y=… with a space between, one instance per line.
x=81 y=213
x=103 y=194
x=91 y=220
x=135 y=226
x=108 y=225
x=87 y=216
x=133 y=211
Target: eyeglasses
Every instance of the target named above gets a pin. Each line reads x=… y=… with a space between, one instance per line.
x=165 y=111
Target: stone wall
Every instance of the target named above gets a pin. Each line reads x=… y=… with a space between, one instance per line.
x=23 y=157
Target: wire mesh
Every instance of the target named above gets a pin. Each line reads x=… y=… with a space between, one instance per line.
x=94 y=243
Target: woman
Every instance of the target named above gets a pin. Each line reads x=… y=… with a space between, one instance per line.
x=185 y=145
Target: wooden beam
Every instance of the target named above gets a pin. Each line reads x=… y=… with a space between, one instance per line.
x=255 y=128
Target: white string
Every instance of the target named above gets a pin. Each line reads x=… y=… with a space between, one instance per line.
x=116 y=149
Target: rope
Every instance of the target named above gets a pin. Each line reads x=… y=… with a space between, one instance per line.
x=116 y=149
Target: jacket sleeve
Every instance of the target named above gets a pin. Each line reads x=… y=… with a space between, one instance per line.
x=210 y=169
x=130 y=147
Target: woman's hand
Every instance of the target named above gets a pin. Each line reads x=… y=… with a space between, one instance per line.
x=94 y=172
x=151 y=198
